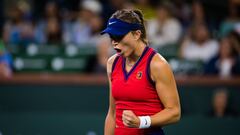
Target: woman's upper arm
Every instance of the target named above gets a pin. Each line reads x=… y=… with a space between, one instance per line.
x=109 y=72
x=163 y=77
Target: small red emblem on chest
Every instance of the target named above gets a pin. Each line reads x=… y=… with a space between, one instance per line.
x=139 y=75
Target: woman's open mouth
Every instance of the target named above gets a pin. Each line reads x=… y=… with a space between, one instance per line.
x=118 y=50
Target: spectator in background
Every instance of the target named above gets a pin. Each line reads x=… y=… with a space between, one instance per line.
x=85 y=29
x=96 y=24
x=104 y=51
x=110 y=6
x=220 y=105
x=183 y=12
x=232 y=22
x=198 y=14
x=193 y=15
x=146 y=7
x=165 y=29
x=53 y=31
x=5 y=62
x=197 y=45
x=16 y=29
x=226 y=63
x=235 y=38
x=49 y=29
x=25 y=7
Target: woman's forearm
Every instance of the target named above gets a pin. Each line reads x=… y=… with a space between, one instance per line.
x=109 y=125
x=165 y=117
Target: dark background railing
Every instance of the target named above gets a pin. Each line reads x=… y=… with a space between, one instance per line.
x=46 y=104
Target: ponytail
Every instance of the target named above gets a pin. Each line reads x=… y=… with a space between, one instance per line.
x=144 y=35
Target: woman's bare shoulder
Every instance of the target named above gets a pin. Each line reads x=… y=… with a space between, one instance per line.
x=110 y=62
x=159 y=67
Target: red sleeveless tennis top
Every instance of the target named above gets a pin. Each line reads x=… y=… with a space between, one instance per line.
x=134 y=90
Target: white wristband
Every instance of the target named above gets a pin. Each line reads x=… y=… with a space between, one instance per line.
x=145 y=121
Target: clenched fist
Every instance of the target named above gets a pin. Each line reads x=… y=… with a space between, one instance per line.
x=130 y=119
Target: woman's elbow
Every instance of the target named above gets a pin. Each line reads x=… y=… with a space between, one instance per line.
x=176 y=115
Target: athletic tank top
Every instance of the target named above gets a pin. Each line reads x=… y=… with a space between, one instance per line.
x=135 y=90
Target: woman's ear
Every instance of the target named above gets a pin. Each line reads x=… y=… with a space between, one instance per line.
x=137 y=34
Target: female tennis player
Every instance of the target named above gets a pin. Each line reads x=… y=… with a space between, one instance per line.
x=143 y=92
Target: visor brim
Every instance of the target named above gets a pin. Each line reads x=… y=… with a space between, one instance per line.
x=115 y=31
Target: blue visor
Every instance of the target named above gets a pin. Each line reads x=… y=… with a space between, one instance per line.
x=118 y=27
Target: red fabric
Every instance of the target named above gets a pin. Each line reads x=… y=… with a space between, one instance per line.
x=134 y=93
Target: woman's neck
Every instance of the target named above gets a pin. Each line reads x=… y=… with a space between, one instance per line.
x=136 y=53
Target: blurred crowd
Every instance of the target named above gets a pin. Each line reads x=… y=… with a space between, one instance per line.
x=222 y=105
x=199 y=34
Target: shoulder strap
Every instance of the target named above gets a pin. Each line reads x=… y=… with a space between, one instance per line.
x=115 y=62
x=148 y=68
